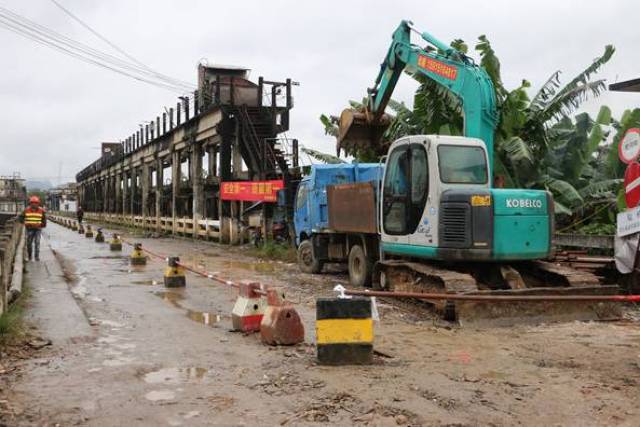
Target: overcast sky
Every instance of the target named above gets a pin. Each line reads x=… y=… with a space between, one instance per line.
x=57 y=109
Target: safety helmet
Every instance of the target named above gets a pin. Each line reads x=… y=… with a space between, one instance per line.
x=34 y=199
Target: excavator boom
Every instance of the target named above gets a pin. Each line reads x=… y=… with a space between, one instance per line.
x=444 y=65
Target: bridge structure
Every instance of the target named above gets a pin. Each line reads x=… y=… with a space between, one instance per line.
x=168 y=174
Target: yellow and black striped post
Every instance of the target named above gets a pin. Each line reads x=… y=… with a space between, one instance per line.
x=344 y=331
x=116 y=243
x=88 y=232
x=137 y=255
x=99 y=236
x=174 y=274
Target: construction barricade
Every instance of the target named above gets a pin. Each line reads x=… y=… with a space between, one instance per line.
x=281 y=324
x=248 y=309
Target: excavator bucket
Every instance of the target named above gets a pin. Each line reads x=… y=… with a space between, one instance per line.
x=356 y=130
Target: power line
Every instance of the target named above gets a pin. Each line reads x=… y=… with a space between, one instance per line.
x=55 y=37
x=45 y=36
x=61 y=49
x=116 y=47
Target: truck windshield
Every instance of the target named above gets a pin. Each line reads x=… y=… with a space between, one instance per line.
x=462 y=164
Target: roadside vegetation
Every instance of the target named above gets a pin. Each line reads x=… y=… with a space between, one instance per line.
x=541 y=141
x=275 y=251
x=12 y=324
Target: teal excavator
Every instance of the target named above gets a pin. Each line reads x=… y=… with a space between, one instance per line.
x=440 y=224
x=437 y=200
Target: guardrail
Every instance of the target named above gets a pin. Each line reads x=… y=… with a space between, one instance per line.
x=11 y=260
x=584 y=241
x=205 y=228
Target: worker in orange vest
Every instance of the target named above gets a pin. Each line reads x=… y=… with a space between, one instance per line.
x=34 y=219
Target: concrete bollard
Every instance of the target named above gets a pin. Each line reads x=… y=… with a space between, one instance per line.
x=74 y=226
x=137 y=256
x=80 y=229
x=99 y=236
x=249 y=308
x=88 y=232
x=174 y=275
x=344 y=331
x=115 y=244
x=281 y=324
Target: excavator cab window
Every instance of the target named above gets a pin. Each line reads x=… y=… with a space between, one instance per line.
x=461 y=164
x=406 y=187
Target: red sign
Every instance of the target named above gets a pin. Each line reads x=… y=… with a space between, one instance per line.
x=629 y=147
x=440 y=68
x=251 y=191
x=632 y=185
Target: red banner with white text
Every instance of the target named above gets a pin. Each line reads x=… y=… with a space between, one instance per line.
x=251 y=191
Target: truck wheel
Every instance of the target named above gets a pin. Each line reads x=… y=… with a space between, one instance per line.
x=306 y=260
x=360 y=267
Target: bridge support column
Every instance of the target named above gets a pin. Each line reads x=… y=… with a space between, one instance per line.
x=175 y=183
x=196 y=182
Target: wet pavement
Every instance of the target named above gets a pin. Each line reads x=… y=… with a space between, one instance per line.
x=131 y=352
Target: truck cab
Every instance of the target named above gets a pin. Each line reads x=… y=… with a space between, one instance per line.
x=311 y=212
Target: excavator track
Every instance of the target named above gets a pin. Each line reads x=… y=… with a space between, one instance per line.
x=524 y=278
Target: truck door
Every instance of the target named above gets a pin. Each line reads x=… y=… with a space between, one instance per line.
x=301 y=219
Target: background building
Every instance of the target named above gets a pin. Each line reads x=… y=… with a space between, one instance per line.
x=63 y=198
x=13 y=194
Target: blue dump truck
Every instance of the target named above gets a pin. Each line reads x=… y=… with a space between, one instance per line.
x=320 y=239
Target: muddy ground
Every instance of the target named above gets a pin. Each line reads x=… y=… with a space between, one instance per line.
x=152 y=356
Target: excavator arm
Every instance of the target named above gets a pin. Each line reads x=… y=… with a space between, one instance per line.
x=444 y=65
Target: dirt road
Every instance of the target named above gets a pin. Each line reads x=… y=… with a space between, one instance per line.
x=146 y=355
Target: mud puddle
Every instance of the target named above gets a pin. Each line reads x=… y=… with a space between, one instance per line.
x=257 y=266
x=176 y=375
x=145 y=282
x=159 y=395
x=202 y=317
x=109 y=257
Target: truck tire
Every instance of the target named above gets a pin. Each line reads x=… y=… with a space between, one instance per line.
x=308 y=263
x=360 y=267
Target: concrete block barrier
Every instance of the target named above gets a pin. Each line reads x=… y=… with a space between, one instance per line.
x=344 y=331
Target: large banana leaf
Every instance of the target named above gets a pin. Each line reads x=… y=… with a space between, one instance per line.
x=604 y=115
x=561 y=209
x=599 y=187
x=546 y=92
x=322 y=157
x=563 y=192
x=567 y=102
x=330 y=128
x=569 y=98
x=519 y=154
x=490 y=62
